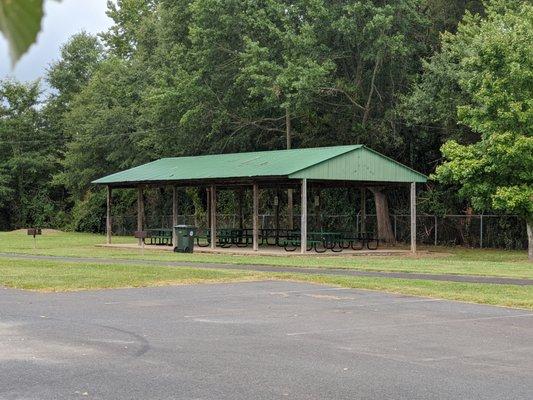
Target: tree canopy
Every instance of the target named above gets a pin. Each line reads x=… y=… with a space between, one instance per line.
x=494 y=67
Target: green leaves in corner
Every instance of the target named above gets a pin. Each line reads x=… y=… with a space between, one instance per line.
x=20 y=22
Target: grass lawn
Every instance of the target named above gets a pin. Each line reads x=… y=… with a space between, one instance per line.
x=63 y=276
x=443 y=261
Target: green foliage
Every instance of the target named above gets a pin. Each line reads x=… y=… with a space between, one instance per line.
x=492 y=172
x=20 y=22
x=87 y=213
x=28 y=157
x=129 y=16
x=100 y=121
x=79 y=58
x=494 y=64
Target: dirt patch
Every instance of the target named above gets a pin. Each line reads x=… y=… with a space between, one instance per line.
x=45 y=231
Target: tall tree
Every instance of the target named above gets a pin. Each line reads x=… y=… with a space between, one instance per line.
x=103 y=124
x=494 y=66
x=28 y=158
x=67 y=77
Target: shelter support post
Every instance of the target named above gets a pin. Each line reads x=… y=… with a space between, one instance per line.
x=303 y=227
x=363 y=210
x=174 y=215
x=140 y=212
x=255 y=217
x=413 y=217
x=108 y=222
x=213 y=219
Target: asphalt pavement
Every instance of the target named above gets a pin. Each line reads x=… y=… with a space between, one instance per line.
x=259 y=340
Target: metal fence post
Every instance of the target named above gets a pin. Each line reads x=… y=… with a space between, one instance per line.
x=481 y=231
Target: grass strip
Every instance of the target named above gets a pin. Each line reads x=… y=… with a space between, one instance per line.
x=57 y=276
x=497 y=263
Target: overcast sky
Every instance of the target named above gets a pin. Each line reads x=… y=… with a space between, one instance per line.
x=62 y=20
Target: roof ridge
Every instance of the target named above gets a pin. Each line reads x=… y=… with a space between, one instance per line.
x=352 y=146
x=348 y=150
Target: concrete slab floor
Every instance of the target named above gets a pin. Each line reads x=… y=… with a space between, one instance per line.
x=267 y=251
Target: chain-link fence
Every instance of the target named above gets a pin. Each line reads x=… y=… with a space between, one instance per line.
x=490 y=231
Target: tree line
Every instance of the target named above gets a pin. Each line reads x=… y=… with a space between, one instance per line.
x=442 y=86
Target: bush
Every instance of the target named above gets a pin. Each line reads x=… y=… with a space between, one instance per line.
x=88 y=214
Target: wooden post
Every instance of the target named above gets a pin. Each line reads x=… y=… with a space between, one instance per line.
x=140 y=212
x=363 y=210
x=108 y=222
x=303 y=227
x=213 y=210
x=255 y=216
x=413 y=217
x=174 y=215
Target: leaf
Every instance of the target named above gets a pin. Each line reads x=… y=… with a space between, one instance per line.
x=20 y=22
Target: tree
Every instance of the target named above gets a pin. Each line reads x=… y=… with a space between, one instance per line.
x=129 y=17
x=71 y=73
x=67 y=77
x=494 y=66
x=102 y=122
x=28 y=158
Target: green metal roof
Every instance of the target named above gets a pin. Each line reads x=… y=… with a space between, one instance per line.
x=355 y=163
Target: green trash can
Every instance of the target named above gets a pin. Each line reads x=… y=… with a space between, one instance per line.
x=184 y=238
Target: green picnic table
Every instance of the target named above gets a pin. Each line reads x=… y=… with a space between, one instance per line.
x=159 y=236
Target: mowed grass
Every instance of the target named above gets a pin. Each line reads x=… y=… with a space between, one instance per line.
x=440 y=260
x=63 y=276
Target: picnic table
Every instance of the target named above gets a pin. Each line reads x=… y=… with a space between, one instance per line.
x=334 y=241
x=317 y=241
x=159 y=236
x=290 y=240
x=226 y=237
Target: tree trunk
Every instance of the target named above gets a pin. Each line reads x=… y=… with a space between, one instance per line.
x=371 y=92
x=290 y=208
x=385 y=231
x=288 y=128
x=529 y=225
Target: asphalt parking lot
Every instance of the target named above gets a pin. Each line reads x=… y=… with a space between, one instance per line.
x=259 y=340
